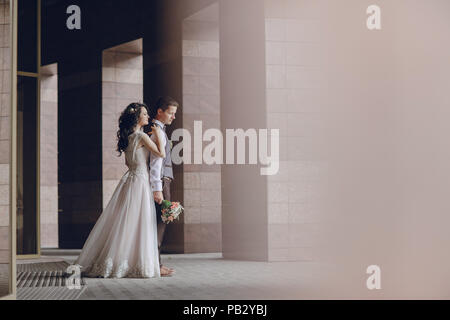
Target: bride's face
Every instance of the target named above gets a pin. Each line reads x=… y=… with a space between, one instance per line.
x=143 y=117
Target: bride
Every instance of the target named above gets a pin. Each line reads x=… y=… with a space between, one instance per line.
x=123 y=242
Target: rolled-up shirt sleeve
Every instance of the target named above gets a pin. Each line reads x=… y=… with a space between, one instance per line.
x=156 y=164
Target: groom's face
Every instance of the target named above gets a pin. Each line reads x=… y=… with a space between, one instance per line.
x=167 y=116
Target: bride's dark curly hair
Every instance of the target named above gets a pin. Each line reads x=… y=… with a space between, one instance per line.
x=127 y=123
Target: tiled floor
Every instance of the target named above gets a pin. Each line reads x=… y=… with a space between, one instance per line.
x=4 y=279
x=209 y=276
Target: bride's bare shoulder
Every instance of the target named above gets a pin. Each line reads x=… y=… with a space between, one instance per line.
x=136 y=134
x=140 y=137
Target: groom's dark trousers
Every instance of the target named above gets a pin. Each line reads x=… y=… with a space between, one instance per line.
x=162 y=225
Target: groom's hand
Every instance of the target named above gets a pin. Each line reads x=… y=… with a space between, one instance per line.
x=158 y=196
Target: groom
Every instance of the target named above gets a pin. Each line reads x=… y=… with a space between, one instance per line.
x=161 y=174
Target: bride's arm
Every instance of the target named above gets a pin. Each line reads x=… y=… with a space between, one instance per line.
x=157 y=148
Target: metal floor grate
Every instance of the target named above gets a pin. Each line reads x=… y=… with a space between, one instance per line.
x=45 y=281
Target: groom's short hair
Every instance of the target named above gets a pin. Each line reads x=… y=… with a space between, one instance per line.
x=164 y=103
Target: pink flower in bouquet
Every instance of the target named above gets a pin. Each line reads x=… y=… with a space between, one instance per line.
x=171 y=211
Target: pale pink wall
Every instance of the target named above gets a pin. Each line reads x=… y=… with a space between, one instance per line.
x=384 y=116
x=363 y=117
x=293 y=89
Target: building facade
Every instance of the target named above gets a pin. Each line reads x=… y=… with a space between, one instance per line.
x=350 y=104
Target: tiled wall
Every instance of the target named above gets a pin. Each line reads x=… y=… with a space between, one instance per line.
x=49 y=156
x=122 y=77
x=201 y=102
x=5 y=105
x=293 y=93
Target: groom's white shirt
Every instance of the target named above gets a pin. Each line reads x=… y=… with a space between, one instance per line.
x=156 y=162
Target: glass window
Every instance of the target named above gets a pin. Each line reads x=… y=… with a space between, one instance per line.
x=27 y=36
x=26 y=165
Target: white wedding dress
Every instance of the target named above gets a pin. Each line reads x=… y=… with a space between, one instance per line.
x=123 y=242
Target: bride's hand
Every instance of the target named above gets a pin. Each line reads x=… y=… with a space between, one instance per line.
x=155 y=130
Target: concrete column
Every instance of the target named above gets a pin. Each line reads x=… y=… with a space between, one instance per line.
x=201 y=102
x=293 y=91
x=5 y=142
x=163 y=76
x=122 y=83
x=49 y=156
x=243 y=87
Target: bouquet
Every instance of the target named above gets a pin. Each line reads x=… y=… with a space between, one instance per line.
x=170 y=211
